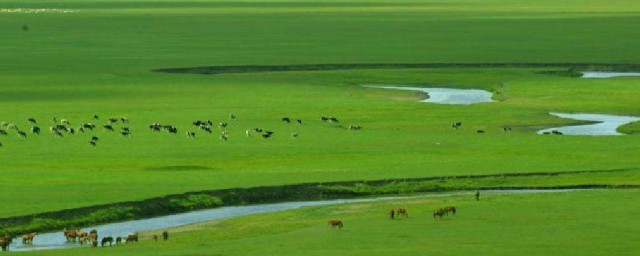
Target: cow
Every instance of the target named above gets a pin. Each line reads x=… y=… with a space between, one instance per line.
x=456 y=125
x=333 y=119
x=32 y=120
x=223 y=125
x=3 y=132
x=108 y=127
x=96 y=117
x=299 y=121
x=286 y=120
x=124 y=120
x=294 y=135
x=22 y=134
x=191 y=135
x=113 y=120
x=35 y=130
x=480 y=131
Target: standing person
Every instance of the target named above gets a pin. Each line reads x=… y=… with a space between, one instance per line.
x=477 y=195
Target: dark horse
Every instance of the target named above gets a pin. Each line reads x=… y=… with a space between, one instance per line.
x=450 y=209
x=105 y=240
x=165 y=235
x=438 y=213
x=336 y=223
x=402 y=212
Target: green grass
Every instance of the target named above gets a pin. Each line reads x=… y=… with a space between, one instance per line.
x=98 y=60
x=568 y=223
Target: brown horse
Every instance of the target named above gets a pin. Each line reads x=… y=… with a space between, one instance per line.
x=450 y=209
x=28 y=238
x=336 y=223
x=131 y=238
x=165 y=235
x=5 y=242
x=402 y=212
x=438 y=213
x=71 y=235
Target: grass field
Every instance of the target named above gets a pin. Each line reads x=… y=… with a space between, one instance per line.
x=565 y=223
x=98 y=59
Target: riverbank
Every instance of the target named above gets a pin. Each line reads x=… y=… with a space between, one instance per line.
x=180 y=203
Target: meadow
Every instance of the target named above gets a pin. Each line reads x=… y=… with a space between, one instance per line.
x=564 y=223
x=99 y=59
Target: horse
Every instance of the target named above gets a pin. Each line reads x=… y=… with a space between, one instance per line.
x=5 y=242
x=165 y=235
x=28 y=238
x=131 y=238
x=402 y=212
x=70 y=234
x=118 y=240
x=392 y=214
x=336 y=223
x=105 y=240
x=438 y=213
x=155 y=238
x=451 y=209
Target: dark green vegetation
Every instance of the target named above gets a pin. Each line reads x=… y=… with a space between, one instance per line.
x=567 y=223
x=100 y=60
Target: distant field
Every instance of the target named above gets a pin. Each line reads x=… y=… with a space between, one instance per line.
x=566 y=223
x=99 y=60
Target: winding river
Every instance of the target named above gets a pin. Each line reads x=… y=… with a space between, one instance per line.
x=606 y=124
x=446 y=95
x=56 y=240
x=608 y=74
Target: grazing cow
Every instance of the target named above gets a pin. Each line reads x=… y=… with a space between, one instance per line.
x=224 y=136
x=480 y=131
x=165 y=235
x=209 y=122
x=155 y=238
x=402 y=212
x=191 y=135
x=22 y=134
x=333 y=119
x=32 y=120
x=131 y=238
x=105 y=240
x=94 y=138
x=124 y=120
x=299 y=121
x=35 y=130
x=206 y=129
x=118 y=240
x=54 y=119
x=450 y=209
x=3 y=132
x=294 y=135
x=92 y=143
x=355 y=127
x=336 y=224
x=223 y=125
x=113 y=120
x=506 y=129
x=257 y=129
x=438 y=213
x=71 y=131
x=286 y=120
x=96 y=117
x=556 y=132
x=64 y=121
x=108 y=127
x=173 y=130
x=198 y=123
x=28 y=238
x=232 y=116
x=125 y=134
x=5 y=242
x=456 y=125
x=266 y=135
x=89 y=126
x=324 y=119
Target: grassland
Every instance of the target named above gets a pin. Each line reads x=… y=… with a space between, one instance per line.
x=99 y=60
x=568 y=223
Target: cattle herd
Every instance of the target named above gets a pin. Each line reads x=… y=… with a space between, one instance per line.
x=62 y=128
x=402 y=213
x=76 y=236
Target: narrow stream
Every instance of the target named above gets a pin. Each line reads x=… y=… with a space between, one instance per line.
x=608 y=74
x=56 y=240
x=606 y=124
x=446 y=95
